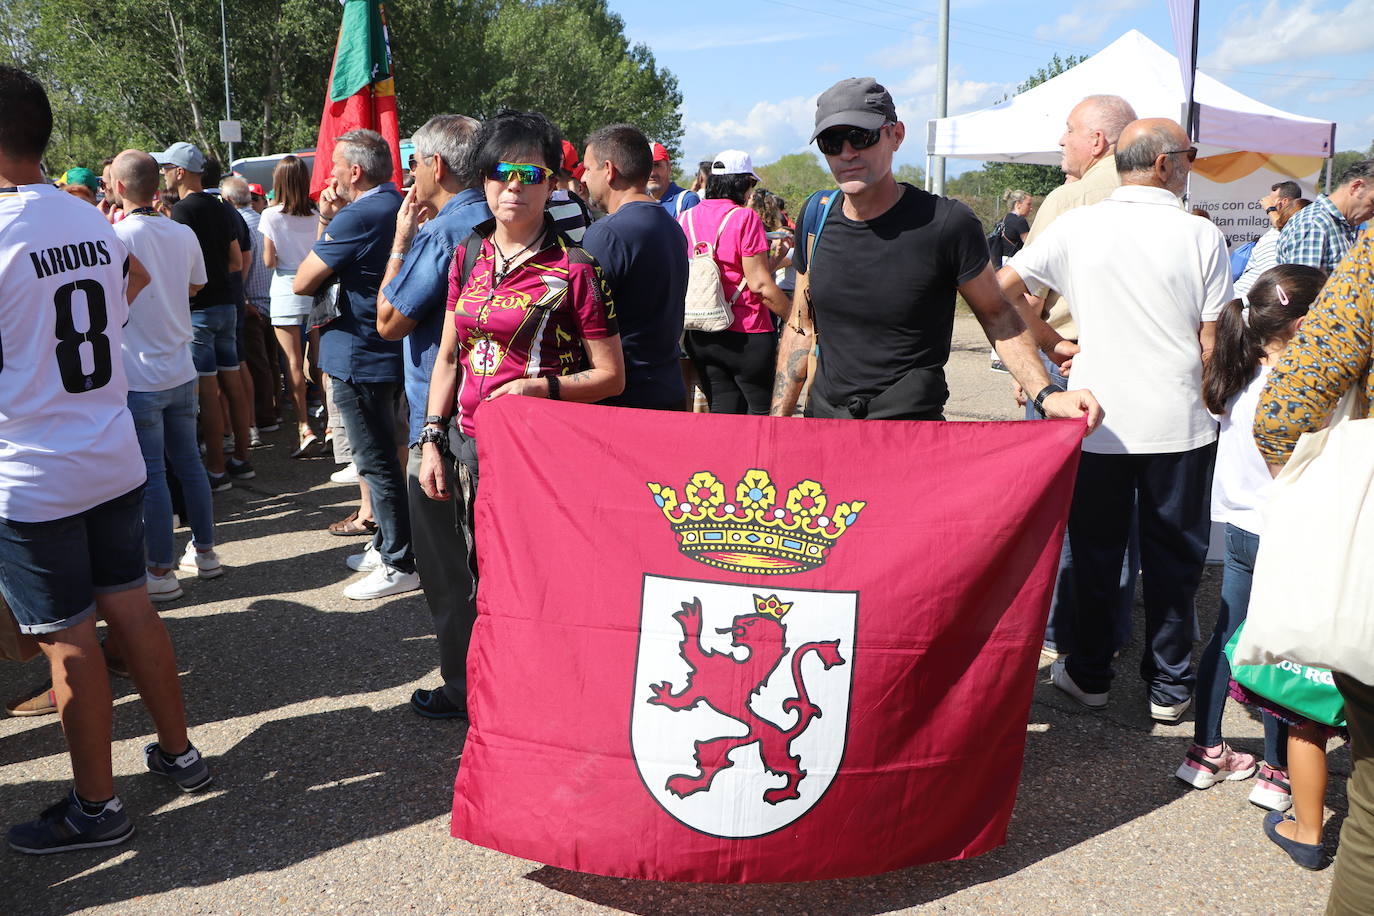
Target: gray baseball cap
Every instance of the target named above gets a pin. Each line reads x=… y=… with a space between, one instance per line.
x=860 y=101
x=182 y=155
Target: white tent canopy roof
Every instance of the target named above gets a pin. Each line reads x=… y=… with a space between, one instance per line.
x=1027 y=127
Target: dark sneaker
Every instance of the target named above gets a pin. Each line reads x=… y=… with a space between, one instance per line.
x=219 y=482
x=188 y=771
x=435 y=704
x=240 y=470
x=66 y=826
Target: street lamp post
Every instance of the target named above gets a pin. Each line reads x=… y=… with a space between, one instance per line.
x=224 y=43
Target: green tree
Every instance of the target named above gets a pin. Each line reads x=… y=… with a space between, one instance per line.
x=570 y=59
x=794 y=178
x=911 y=174
x=147 y=73
x=1339 y=163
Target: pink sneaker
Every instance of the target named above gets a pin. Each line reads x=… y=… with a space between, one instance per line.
x=1204 y=767
x=1271 y=790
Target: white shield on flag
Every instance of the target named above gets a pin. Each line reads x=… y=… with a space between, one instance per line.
x=741 y=701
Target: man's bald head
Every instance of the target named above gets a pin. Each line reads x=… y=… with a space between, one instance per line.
x=1092 y=130
x=1153 y=152
x=139 y=174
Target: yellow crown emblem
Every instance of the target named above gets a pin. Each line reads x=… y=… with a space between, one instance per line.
x=771 y=606
x=754 y=533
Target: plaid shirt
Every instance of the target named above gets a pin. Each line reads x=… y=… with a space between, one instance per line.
x=1317 y=235
x=257 y=289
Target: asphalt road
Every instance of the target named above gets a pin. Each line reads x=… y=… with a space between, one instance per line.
x=331 y=796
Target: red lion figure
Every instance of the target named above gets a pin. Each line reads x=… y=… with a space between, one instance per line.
x=715 y=680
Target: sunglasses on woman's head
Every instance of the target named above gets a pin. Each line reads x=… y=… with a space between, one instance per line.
x=524 y=171
x=832 y=141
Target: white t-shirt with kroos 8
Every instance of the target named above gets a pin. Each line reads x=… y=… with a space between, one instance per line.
x=157 y=339
x=67 y=440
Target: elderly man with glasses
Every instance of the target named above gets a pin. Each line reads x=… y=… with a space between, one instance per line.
x=1146 y=281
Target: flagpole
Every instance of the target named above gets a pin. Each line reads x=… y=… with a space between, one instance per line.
x=224 y=44
x=937 y=183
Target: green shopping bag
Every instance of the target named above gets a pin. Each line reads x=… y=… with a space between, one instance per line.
x=1309 y=692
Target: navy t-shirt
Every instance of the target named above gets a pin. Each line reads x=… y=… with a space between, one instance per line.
x=643 y=255
x=356 y=245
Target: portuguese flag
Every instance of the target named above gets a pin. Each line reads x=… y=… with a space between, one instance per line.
x=362 y=92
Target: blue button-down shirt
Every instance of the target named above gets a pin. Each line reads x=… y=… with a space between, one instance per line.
x=420 y=290
x=1317 y=236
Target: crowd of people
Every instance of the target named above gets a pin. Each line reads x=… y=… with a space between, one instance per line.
x=514 y=264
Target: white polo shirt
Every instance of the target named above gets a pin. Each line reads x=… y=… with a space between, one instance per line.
x=1141 y=276
x=157 y=339
x=67 y=440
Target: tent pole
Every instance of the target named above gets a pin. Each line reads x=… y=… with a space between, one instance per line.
x=941 y=94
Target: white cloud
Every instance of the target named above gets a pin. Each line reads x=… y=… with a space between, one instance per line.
x=771 y=129
x=1086 y=23
x=1282 y=32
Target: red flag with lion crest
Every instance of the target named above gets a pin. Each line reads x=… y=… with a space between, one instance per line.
x=747 y=649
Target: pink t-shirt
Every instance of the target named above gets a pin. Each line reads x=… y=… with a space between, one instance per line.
x=743 y=236
x=533 y=324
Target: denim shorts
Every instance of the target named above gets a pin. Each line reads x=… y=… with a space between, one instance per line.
x=51 y=572
x=213 y=348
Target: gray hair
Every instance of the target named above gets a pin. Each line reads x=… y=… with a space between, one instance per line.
x=449 y=136
x=1364 y=169
x=1140 y=155
x=369 y=151
x=235 y=190
x=1110 y=114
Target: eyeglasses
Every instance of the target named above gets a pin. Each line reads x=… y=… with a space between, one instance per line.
x=1191 y=152
x=524 y=171
x=833 y=140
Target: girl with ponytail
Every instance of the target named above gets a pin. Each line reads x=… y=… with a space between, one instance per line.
x=1250 y=337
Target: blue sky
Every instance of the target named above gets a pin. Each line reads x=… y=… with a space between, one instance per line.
x=750 y=70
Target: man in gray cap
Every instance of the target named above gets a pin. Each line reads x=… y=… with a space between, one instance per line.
x=881 y=282
x=214 y=315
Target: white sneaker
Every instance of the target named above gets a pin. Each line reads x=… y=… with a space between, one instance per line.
x=366 y=561
x=254 y=437
x=229 y=443
x=164 y=587
x=203 y=563
x=382 y=581
x=346 y=474
x=1060 y=678
x=1170 y=713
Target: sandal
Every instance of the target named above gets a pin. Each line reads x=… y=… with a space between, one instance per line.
x=353 y=525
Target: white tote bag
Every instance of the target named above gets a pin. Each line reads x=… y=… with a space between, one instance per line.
x=1312 y=600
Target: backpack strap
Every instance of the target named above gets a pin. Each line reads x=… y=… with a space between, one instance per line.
x=720 y=230
x=815 y=213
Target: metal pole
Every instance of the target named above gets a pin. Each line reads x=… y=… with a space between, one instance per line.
x=941 y=93
x=224 y=43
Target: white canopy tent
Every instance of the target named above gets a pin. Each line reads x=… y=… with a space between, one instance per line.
x=1027 y=127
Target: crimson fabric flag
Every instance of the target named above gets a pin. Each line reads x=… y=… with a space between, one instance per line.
x=362 y=90
x=747 y=649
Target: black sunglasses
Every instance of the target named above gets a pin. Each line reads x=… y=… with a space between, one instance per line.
x=1190 y=151
x=833 y=140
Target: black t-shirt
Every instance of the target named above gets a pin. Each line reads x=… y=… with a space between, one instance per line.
x=213 y=224
x=883 y=294
x=643 y=255
x=1013 y=227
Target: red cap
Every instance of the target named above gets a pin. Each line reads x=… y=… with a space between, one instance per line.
x=257 y=189
x=570 y=157
x=660 y=153
x=579 y=171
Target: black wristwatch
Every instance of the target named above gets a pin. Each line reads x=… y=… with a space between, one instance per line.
x=1044 y=393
